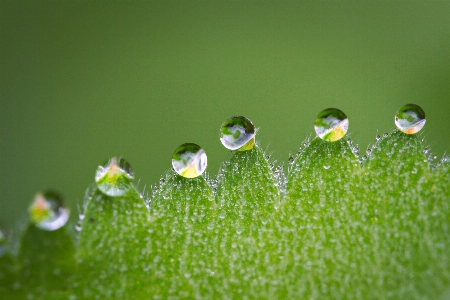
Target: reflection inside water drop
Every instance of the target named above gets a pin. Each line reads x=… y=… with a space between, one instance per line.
x=238 y=133
x=410 y=119
x=189 y=160
x=47 y=211
x=114 y=177
x=331 y=124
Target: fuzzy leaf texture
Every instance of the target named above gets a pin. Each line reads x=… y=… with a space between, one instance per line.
x=333 y=227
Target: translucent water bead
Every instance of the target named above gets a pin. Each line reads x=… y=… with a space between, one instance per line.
x=331 y=124
x=410 y=119
x=47 y=211
x=238 y=133
x=189 y=160
x=114 y=177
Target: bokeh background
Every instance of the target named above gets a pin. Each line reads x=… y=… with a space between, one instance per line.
x=81 y=81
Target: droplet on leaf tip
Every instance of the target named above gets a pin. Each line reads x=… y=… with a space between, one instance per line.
x=114 y=177
x=189 y=160
x=238 y=133
x=331 y=124
x=47 y=211
x=410 y=119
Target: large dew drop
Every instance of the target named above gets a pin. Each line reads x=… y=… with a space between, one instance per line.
x=238 y=133
x=410 y=119
x=331 y=124
x=189 y=160
x=47 y=211
x=114 y=177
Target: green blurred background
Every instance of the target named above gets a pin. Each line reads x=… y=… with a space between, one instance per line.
x=83 y=81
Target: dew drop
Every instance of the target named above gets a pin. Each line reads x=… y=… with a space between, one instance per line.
x=47 y=211
x=410 y=119
x=385 y=135
x=114 y=177
x=378 y=137
x=189 y=160
x=291 y=160
x=326 y=167
x=331 y=124
x=238 y=133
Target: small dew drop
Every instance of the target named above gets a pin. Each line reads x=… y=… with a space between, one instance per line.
x=291 y=160
x=47 y=211
x=114 y=177
x=238 y=133
x=378 y=137
x=331 y=124
x=385 y=135
x=189 y=160
x=410 y=119
x=326 y=167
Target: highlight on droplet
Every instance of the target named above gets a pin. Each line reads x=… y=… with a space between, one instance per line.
x=237 y=133
x=47 y=211
x=410 y=119
x=114 y=177
x=189 y=160
x=331 y=124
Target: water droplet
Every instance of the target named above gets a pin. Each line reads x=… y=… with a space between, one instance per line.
x=385 y=135
x=189 y=160
x=326 y=167
x=114 y=177
x=291 y=160
x=410 y=119
x=331 y=124
x=378 y=137
x=238 y=133
x=47 y=211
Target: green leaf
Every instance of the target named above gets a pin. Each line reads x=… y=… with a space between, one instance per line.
x=181 y=212
x=46 y=261
x=319 y=222
x=334 y=227
x=247 y=196
x=113 y=247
